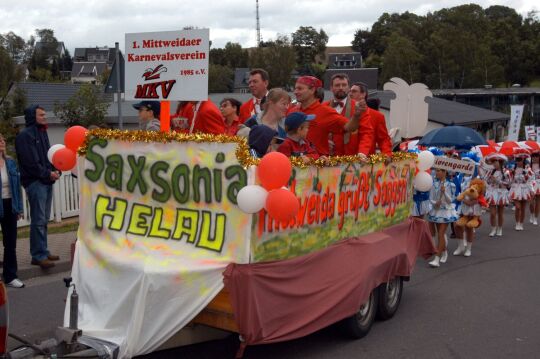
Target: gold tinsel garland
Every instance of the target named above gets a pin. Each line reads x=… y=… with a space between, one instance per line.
x=242 y=150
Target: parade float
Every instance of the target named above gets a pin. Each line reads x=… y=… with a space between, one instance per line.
x=164 y=243
x=183 y=231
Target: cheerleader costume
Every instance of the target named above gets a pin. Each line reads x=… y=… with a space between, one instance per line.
x=497 y=187
x=421 y=203
x=535 y=183
x=521 y=189
x=446 y=211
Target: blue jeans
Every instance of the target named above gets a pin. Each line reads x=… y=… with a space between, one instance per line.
x=40 y=198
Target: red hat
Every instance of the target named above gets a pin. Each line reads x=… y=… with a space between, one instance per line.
x=310 y=81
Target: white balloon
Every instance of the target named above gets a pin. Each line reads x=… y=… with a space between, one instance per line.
x=423 y=182
x=251 y=199
x=52 y=150
x=426 y=159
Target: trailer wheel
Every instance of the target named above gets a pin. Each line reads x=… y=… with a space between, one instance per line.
x=358 y=325
x=389 y=298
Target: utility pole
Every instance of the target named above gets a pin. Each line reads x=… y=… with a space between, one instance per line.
x=259 y=40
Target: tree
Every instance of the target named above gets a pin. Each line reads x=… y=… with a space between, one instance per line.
x=13 y=105
x=7 y=70
x=86 y=107
x=220 y=78
x=278 y=58
x=308 y=43
x=14 y=45
x=401 y=59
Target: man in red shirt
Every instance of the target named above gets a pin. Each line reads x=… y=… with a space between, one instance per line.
x=327 y=120
x=201 y=116
x=348 y=143
x=258 y=86
x=383 y=142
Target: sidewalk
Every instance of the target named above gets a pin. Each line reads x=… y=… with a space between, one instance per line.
x=59 y=244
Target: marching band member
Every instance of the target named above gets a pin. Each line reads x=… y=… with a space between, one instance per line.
x=497 y=179
x=521 y=190
x=443 y=212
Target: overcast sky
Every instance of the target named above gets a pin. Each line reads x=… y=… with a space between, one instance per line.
x=102 y=22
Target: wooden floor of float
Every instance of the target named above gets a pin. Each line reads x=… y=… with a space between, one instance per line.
x=218 y=313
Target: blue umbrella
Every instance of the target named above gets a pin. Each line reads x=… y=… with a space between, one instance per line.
x=458 y=137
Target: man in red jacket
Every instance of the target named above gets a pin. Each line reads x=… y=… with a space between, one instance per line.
x=383 y=142
x=201 y=116
x=347 y=143
x=258 y=86
x=327 y=120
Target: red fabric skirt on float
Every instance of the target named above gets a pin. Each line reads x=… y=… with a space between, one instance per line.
x=283 y=300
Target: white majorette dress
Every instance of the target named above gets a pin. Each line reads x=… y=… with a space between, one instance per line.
x=497 y=187
x=445 y=212
x=535 y=184
x=521 y=189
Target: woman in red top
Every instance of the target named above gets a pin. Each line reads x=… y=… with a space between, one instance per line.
x=230 y=109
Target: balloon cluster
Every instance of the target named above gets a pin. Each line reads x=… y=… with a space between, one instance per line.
x=64 y=157
x=274 y=172
x=423 y=181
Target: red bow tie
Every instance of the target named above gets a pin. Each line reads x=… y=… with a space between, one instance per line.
x=339 y=103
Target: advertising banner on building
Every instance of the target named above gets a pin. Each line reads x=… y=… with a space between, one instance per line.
x=516 y=113
x=530 y=133
x=169 y=65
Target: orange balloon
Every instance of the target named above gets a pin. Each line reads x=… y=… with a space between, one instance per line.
x=74 y=137
x=64 y=159
x=274 y=170
x=282 y=204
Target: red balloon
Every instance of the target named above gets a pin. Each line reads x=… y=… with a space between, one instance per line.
x=74 y=137
x=282 y=204
x=274 y=170
x=64 y=159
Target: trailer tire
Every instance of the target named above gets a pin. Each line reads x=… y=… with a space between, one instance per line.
x=389 y=298
x=358 y=325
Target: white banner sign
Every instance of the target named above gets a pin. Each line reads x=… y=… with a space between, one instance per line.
x=516 y=112
x=170 y=65
x=158 y=225
x=530 y=133
x=454 y=165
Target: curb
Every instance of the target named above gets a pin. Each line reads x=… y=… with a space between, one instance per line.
x=36 y=271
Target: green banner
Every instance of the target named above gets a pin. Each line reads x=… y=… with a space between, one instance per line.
x=335 y=203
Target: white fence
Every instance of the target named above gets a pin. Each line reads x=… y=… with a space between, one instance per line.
x=65 y=201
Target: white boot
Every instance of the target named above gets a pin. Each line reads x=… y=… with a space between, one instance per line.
x=517 y=226
x=493 y=231
x=531 y=219
x=520 y=225
x=461 y=247
x=435 y=262
x=468 y=250
x=444 y=257
x=535 y=221
x=499 y=231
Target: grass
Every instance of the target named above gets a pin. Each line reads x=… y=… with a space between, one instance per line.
x=70 y=225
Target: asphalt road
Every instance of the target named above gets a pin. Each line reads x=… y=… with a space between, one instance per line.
x=485 y=306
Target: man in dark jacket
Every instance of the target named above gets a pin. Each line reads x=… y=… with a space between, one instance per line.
x=37 y=177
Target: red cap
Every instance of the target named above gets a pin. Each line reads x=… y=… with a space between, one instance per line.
x=310 y=81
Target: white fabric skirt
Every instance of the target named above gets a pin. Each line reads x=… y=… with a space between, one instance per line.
x=521 y=192
x=497 y=196
x=443 y=215
x=421 y=208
